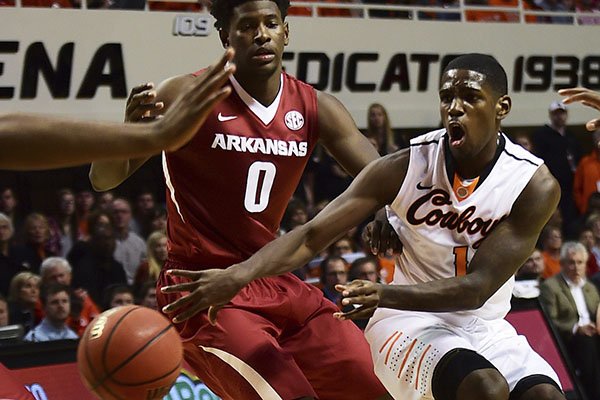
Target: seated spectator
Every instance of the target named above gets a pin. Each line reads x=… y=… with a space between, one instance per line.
x=572 y=305
x=527 y=277
x=492 y=15
x=295 y=215
x=84 y=204
x=552 y=241
x=364 y=268
x=587 y=176
x=83 y=309
x=147 y=295
x=9 y=206
x=3 y=311
x=24 y=300
x=334 y=272
x=380 y=129
x=37 y=245
x=9 y=265
x=57 y=308
x=95 y=267
x=104 y=201
x=150 y=268
x=63 y=224
x=141 y=222
x=524 y=140
x=117 y=296
x=558 y=6
x=159 y=220
x=587 y=239
x=130 y=248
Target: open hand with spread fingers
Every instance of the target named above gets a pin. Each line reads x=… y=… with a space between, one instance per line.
x=586 y=97
x=363 y=295
x=211 y=288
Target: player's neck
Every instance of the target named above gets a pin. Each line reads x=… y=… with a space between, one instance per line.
x=263 y=90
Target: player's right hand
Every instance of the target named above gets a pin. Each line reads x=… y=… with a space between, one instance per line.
x=586 y=97
x=189 y=111
x=381 y=237
x=141 y=106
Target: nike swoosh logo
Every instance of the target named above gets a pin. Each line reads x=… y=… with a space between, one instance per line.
x=421 y=187
x=224 y=118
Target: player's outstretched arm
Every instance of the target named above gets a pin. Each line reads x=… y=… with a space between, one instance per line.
x=29 y=141
x=584 y=96
x=185 y=101
x=353 y=151
x=375 y=186
x=496 y=260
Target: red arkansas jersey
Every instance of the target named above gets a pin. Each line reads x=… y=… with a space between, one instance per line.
x=228 y=188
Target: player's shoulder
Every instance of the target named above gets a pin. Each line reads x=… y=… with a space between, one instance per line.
x=431 y=138
x=293 y=82
x=520 y=154
x=169 y=89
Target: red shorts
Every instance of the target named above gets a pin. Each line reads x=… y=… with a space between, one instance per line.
x=277 y=339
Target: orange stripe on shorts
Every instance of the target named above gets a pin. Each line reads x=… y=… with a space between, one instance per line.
x=386 y=342
x=419 y=367
x=391 y=347
x=406 y=357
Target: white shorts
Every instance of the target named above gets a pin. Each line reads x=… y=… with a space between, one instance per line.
x=406 y=347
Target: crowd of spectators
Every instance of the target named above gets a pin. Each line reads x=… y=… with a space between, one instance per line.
x=445 y=10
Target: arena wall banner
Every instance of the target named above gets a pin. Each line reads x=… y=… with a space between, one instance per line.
x=84 y=62
x=62 y=382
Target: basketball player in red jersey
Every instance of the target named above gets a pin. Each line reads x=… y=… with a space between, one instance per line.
x=227 y=192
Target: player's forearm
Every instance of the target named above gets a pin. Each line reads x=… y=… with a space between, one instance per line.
x=31 y=142
x=284 y=254
x=445 y=295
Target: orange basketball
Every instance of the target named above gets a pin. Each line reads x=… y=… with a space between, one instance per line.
x=130 y=353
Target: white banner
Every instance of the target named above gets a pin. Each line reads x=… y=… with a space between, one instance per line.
x=75 y=62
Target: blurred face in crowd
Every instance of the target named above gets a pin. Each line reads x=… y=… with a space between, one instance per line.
x=554 y=240
x=103 y=241
x=5 y=231
x=58 y=274
x=534 y=264
x=37 y=230
x=29 y=293
x=84 y=201
x=149 y=299
x=336 y=274
x=105 y=201
x=376 y=117
x=524 y=142
x=122 y=214
x=298 y=217
x=368 y=272
x=160 y=249
x=586 y=238
x=67 y=204
x=3 y=313
x=574 y=265
x=58 y=307
x=8 y=201
x=145 y=202
x=159 y=223
x=558 y=118
x=121 y=299
x=343 y=246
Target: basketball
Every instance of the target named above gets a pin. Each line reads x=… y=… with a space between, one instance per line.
x=130 y=352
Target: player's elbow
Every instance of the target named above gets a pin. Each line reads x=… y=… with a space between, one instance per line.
x=478 y=294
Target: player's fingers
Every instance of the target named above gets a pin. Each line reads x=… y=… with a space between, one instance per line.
x=375 y=242
x=184 y=273
x=177 y=304
x=188 y=313
x=395 y=244
x=203 y=89
x=364 y=311
x=212 y=313
x=589 y=99
x=208 y=101
x=140 y=88
x=368 y=299
x=593 y=124
x=180 y=287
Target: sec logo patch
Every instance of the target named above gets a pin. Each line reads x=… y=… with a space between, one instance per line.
x=294 y=120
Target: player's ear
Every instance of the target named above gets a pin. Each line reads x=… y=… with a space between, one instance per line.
x=503 y=106
x=224 y=36
x=286 y=29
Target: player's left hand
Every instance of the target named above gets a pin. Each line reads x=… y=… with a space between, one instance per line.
x=364 y=295
x=211 y=288
x=380 y=236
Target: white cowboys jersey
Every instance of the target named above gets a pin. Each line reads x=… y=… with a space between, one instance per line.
x=441 y=234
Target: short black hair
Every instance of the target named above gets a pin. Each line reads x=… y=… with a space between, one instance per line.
x=52 y=289
x=222 y=10
x=485 y=64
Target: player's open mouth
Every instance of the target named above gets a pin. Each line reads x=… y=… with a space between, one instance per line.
x=456 y=134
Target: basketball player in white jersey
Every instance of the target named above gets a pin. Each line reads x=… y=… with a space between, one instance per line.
x=468 y=206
